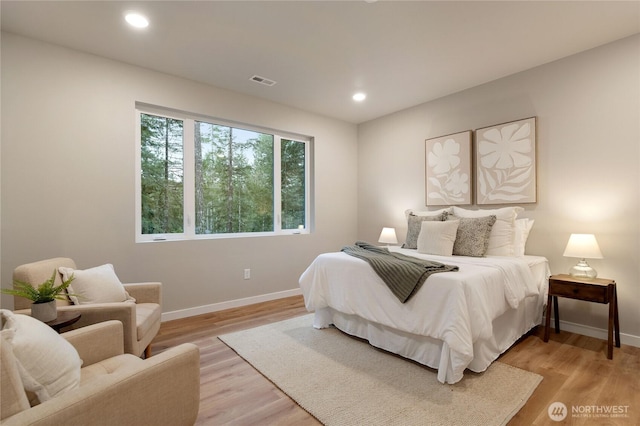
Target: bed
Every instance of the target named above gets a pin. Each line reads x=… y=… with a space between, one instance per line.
x=455 y=321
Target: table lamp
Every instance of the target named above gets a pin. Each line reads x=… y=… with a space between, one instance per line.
x=583 y=246
x=388 y=236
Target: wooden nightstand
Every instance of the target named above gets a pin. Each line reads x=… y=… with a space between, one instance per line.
x=599 y=290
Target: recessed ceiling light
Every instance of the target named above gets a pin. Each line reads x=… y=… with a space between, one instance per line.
x=136 y=20
x=359 y=97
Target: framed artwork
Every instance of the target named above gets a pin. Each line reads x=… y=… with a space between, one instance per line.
x=506 y=163
x=448 y=170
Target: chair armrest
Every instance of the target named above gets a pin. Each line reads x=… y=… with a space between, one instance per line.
x=94 y=313
x=150 y=292
x=162 y=390
x=97 y=342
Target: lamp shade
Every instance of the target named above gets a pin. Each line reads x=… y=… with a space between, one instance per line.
x=388 y=236
x=583 y=246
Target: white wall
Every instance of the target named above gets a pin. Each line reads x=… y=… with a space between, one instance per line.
x=67 y=171
x=68 y=149
x=588 y=109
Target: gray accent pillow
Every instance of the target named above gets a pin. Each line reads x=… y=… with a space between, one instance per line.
x=472 y=238
x=414 y=225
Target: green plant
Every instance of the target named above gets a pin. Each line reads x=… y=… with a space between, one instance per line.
x=45 y=292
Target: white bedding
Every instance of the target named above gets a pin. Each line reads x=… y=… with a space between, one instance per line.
x=457 y=320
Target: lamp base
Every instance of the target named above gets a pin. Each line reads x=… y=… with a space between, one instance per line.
x=583 y=270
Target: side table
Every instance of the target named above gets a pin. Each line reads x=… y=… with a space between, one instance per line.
x=64 y=319
x=599 y=290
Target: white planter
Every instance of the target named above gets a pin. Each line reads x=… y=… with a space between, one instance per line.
x=44 y=311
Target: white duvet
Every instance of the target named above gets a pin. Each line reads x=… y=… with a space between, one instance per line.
x=457 y=308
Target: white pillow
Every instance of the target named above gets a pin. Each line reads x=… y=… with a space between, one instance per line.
x=437 y=237
x=522 y=229
x=501 y=239
x=95 y=285
x=47 y=363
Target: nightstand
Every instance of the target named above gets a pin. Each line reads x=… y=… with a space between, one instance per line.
x=599 y=290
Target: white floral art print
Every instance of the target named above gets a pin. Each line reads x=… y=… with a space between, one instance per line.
x=506 y=163
x=448 y=170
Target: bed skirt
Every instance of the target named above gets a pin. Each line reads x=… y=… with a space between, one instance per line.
x=435 y=353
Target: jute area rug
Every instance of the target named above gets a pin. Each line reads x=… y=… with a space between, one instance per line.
x=341 y=380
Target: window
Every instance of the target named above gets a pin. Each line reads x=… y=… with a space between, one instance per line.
x=203 y=178
x=162 y=183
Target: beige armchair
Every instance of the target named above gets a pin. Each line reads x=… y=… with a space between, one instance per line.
x=140 y=320
x=115 y=388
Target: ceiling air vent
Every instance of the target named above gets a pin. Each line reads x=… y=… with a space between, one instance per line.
x=262 y=80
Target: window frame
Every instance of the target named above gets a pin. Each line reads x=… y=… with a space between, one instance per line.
x=188 y=151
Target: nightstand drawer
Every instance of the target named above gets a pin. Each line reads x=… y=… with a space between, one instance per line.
x=587 y=292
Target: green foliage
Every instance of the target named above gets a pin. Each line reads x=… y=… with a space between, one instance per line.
x=162 y=175
x=234 y=179
x=45 y=292
x=293 y=184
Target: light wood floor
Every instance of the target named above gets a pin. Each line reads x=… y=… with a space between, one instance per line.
x=575 y=368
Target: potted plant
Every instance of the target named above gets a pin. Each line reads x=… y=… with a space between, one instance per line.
x=43 y=297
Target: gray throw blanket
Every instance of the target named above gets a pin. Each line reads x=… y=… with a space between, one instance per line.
x=404 y=275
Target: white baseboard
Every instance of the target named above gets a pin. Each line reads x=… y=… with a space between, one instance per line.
x=598 y=333
x=207 y=309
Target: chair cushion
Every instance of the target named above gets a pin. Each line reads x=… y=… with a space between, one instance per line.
x=48 y=365
x=95 y=285
x=109 y=366
x=147 y=314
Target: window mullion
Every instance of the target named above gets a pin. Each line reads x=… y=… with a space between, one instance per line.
x=189 y=178
x=138 y=206
x=277 y=181
x=307 y=186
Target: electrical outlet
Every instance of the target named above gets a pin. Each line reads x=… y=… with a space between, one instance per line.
x=247 y=274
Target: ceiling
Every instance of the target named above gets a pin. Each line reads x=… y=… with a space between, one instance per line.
x=321 y=52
